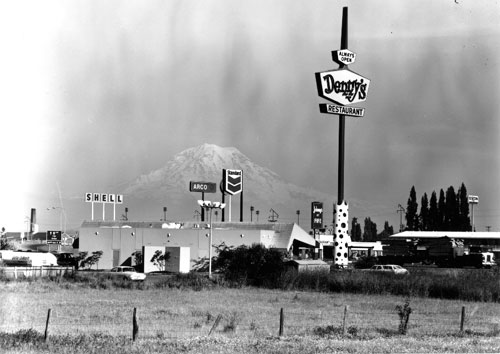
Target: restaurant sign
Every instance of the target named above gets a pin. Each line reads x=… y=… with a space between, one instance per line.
x=342 y=86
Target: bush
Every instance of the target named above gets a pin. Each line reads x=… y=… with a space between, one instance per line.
x=254 y=265
x=365 y=262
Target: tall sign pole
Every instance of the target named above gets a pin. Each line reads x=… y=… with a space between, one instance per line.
x=343 y=45
x=342 y=87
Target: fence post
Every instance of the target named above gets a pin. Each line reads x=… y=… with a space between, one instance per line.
x=216 y=323
x=462 y=319
x=343 y=321
x=47 y=327
x=282 y=321
x=135 y=326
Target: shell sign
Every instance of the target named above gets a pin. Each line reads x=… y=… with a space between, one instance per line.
x=342 y=86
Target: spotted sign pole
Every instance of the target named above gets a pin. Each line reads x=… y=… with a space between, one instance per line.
x=343 y=88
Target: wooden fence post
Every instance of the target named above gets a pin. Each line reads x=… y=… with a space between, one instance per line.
x=282 y=321
x=343 y=321
x=135 y=326
x=47 y=326
x=216 y=323
x=462 y=319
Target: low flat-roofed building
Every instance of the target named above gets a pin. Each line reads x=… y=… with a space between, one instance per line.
x=486 y=241
x=119 y=240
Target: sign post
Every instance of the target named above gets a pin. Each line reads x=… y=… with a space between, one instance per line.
x=232 y=182
x=203 y=187
x=473 y=199
x=317 y=223
x=342 y=87
x=104 y=198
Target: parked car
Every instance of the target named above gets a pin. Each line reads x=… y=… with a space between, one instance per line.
x=66 y=260
x=389 y=268
x=127 y=273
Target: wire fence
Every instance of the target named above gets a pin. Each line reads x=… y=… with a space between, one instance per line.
x=167 y=324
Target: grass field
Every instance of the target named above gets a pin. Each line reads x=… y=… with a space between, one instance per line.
x=85 y=320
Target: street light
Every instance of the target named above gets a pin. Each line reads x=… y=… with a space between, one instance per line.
x=208 y=205
x=61 y=213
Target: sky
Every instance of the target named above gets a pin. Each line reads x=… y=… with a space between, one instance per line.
x=94 y=94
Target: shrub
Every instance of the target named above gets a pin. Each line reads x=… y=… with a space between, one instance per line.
x=404 y=316
x=365 y=262
x=254 y=265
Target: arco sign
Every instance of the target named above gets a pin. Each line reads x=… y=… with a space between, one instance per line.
x=204 y=187
x=342 y=86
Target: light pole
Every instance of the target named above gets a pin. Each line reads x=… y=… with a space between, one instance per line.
x=208 y=205
x=61 y=213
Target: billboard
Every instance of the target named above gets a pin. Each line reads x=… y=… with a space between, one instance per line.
x=342 y=86
x=232 y=181
x=204 y=187
x=316 y=215
x=54 y=237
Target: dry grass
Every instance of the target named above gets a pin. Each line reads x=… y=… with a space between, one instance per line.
x=173 y=320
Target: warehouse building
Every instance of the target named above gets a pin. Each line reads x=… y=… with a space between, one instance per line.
x=472 y=241
x=121 y=239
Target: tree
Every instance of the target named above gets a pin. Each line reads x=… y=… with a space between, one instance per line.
x=80 y=259
x=451 y=210
x=356 y=230
x=463 y=209
x=370 y=231
x=388 y=231
x=92 y=259
x=441 y=225
x=424 y=213
x=138 y=261
x=251 y=265
x=433 y=213
x=159 y=259
x=411 y=211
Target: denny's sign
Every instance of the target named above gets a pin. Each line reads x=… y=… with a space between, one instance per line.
x=342 y=86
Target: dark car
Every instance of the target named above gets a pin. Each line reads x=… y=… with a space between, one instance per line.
x=66 y=260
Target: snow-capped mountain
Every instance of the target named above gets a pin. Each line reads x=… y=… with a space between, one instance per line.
x=262 y=188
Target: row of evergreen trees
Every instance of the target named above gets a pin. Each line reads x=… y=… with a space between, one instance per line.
x=369 y=233
x=449 y=212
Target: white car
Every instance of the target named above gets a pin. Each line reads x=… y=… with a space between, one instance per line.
x=389 y=268
x=127 y=272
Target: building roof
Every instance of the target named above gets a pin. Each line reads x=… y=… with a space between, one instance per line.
x=308 y=262
x=285 y=233
x=450 y=234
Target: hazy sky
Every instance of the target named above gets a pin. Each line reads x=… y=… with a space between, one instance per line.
x=95 y=93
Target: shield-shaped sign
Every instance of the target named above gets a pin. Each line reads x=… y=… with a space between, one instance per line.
x=233 y=181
